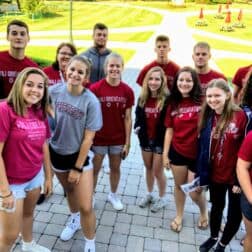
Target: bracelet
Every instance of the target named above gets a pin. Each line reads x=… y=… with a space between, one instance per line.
x=77 y=169
x=6 y=196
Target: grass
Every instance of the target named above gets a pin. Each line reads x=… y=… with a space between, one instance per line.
x=189 y=6
x=224 y=45
x=123 y=37
x=215 y=24
x=230 y=65
x=86 y=14
x=48 y=55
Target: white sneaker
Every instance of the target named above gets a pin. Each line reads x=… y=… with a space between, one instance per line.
x=115 y=202
x=72 y=226
x=33 y=247
x=89 y=247
x=158 y=205
x=148 y=199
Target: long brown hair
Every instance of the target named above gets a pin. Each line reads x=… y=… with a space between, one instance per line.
x=229 y=108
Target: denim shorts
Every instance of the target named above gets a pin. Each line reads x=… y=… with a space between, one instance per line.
x=180 y=160
x=246 y=207
x=153 y=148
x=19 y=190
x=111 y=149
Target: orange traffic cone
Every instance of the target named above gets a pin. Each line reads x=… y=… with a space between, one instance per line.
x=239 y=17
x=201 y=15
x=220 y=9
x=228 y=18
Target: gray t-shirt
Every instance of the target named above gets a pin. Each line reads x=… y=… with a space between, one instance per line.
x=73 y=115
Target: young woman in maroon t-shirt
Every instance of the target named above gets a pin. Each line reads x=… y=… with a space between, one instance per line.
x=227 y=124
x=149 y=126
x=180 y=145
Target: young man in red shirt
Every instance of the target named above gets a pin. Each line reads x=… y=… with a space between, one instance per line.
x=162 y=48
x=14 y=60
x=201 y=56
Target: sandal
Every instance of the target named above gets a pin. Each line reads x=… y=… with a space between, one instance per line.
x=175 y=226
x=203 y=224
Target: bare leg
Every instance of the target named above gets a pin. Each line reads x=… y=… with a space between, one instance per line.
x=248 y=238
x=147 y=158
x=158 y=169
x=10 y=226
x=180 y=174
x=97 y=164
x=29 y=206
x=114 y=176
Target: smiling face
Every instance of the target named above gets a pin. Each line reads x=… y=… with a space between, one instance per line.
x=154 y=82
x=33 y=89
x=162 y=49
x=113 y=69
x=185 y=83
x=18 y=37
x=64 y=55
x=216 y=99
x=76 y=73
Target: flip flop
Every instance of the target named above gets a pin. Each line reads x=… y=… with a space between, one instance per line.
x=175 y=226
x=203 y=224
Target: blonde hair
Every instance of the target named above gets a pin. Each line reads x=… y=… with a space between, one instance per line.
x=161 y=93
x=15 y=97
x=228 y=110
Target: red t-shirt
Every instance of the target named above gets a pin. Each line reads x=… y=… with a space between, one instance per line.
x=9 y=69
x=152 y=115
x=53 y=75
x=114 y=102
x=205 y=78
x=240 y=76
x=184 y=122
x=245 y=152
x=224 y=151
x=170 y=70
x=24 y=137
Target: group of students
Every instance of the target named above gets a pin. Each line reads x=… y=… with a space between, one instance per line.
x=193 y=132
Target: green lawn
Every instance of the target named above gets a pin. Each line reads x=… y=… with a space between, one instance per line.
x=229 y=65
x=86 y=14
x=215 y=24
x=123 y=37
x=224 y=45
x=48 y=55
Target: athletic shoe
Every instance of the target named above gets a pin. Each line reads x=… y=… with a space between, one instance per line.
x=33 y=247
x=89 y=247
x=147 y=200
x=158 y=205
x=207 y=245
x=72 y=226
x=115 y=202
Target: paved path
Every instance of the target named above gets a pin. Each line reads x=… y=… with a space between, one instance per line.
x=133 y=229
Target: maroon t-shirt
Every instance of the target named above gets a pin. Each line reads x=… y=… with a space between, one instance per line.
x=245 y=152
x=206 y=78
x=170 y=70
x=224 y=150
x=241 y=75
x=9 y=69
x=114 y=102
x=152 y=115
x=184 y=122
x=53 y=75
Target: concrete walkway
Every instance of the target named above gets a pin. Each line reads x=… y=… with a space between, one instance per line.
x=133 y=229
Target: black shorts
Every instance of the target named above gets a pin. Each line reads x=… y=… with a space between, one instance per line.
x=180 y=160
x=246 y=207
x=65 y=162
